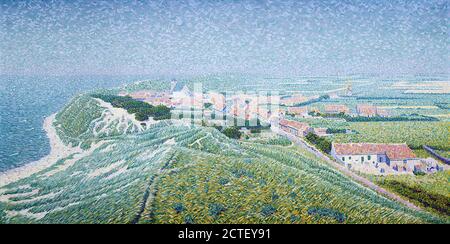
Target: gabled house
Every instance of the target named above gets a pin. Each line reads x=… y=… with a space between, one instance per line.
x=397 y=157
x=367 y=110
x=296 y=128
x=298 y=111
x=320 y=131
x=336 y=109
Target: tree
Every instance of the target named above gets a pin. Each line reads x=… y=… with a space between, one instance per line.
x=232 y=132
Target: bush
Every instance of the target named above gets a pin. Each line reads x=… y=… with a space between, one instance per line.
x=142 y=110
x=215 y=209
x=178 y=207
x=189 y=220
x=238 y=173
x=232 y=132
x=223 y=181
x=268 y=210
x=326 y=212
x=435 y=201
x=294 y=219
x=322 y=143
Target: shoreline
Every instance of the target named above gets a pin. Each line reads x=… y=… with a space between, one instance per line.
x=58 y=150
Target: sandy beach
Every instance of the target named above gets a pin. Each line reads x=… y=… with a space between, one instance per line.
x=57 y=150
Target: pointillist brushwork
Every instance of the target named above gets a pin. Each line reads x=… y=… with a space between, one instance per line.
x=224 y=112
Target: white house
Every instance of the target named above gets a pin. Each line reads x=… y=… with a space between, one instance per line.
x=376 y=157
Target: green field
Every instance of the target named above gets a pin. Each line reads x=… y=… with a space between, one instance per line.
x=415 y=134
x=430 y=191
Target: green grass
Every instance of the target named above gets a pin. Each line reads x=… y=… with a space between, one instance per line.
x=415 y=134
x=73 y=123
x=325 y=122
x=430 y=191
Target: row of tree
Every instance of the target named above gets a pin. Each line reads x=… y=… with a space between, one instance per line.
x=142 y=110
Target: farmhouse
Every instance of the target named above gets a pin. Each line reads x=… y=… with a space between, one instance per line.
x=294 y=127
x=150 y=97
x=298 y=111
x=320 y=131
x=383 y=157
x=370 y=111
x=336 y=109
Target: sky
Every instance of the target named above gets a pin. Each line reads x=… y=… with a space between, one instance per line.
x=192 y=37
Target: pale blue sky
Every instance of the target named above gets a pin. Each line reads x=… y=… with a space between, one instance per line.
x=196 y=37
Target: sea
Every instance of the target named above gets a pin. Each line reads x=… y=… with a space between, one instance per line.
x=25 y=102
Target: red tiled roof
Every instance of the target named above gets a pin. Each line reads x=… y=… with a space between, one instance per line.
x=321 y=131
x=298 y=110
x=366 y=109
x=393 y=151
x=336 y=108
x=294 y=124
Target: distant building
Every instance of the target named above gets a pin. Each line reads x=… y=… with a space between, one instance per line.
x=367 y=110
x=296 y=128
x=336 y=109
x=320 y=131
x=382 y=112
x=139 y=95
x=299 y=111
x=150 y=97
x=395 y=157
x=349 y=90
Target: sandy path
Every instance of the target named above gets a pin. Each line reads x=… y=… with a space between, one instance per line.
x=58 y=150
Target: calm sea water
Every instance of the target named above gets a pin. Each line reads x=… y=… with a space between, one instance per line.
x=26 y=101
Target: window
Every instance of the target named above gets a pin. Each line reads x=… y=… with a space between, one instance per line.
x=343 y=158
x=349 y=157
x=368 y=157
x=362 y=159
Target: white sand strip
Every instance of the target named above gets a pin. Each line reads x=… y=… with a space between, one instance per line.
x=58 y=150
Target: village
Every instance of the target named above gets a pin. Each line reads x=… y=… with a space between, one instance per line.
x=279 y=113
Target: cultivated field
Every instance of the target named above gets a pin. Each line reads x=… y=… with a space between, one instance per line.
x=415 y=134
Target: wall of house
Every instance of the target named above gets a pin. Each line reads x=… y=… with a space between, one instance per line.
x=360 y=159
x=289 y=130
x=407 y=165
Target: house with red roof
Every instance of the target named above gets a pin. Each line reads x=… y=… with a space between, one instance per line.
x=392 y=157
x=294 y=127
x=298 y=111
x=368 y=110
x=336 y=109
